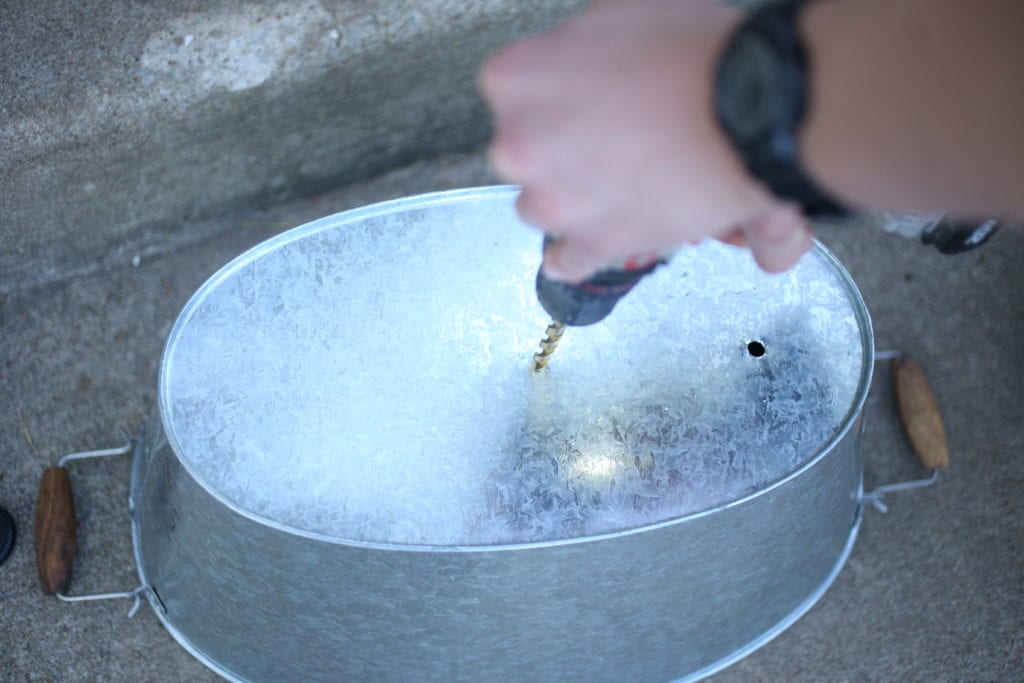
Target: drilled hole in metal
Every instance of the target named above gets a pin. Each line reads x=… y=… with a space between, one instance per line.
x=755 y=349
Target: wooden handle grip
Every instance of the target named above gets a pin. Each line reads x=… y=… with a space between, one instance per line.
x=921 y=418
x=56 y=531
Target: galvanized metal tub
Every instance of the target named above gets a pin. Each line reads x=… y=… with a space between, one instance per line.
x=575 y=526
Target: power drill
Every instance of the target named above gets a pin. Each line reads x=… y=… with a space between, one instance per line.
x=586 y=302
x=590 y=301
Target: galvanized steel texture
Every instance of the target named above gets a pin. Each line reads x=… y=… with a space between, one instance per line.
x=262 y=599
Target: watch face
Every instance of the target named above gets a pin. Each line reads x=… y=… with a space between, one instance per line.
x=752 y=85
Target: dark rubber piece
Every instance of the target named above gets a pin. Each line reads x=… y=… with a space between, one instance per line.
x=6 y=534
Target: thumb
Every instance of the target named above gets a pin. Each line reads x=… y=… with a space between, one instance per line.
x=569 y=261
x=778 y=237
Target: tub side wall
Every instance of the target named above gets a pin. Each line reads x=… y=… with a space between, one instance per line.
x=264 y=604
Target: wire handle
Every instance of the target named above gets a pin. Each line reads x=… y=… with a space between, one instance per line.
x=56 y=531
x=922 y=422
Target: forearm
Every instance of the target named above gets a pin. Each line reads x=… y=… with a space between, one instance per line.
x=917 y=104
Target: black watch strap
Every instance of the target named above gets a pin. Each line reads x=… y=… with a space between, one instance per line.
x=772 y=156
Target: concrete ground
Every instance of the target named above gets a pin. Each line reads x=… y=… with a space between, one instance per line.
x=934 y=590
x=130 y=125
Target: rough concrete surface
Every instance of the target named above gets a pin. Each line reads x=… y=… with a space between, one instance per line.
x=127 y=126
x=933 y=591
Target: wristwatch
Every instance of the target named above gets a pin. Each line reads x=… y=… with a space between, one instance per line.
x=761 y=99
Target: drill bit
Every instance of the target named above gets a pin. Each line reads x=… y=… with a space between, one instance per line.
x=548 y=345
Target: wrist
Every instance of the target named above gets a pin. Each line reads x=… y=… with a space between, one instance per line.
x=908 y=103
x=762 y=94
x=831 y=145
x=747 y=196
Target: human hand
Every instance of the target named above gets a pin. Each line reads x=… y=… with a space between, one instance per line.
x=607 y=124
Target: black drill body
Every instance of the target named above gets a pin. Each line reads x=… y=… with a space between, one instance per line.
x=590 y=301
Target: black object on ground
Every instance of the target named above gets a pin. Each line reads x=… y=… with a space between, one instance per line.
x=6 y=534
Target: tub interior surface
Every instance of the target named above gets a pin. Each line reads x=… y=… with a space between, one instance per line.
x=367 y=377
